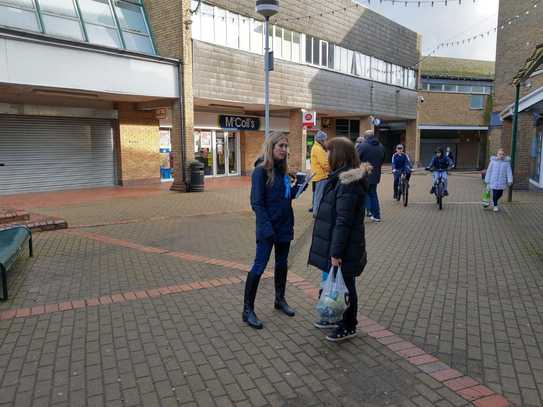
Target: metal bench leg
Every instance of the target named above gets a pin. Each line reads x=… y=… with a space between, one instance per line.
x=30 y=248
x=4 y=283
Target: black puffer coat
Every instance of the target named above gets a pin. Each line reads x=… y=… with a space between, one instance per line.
x=339 y=225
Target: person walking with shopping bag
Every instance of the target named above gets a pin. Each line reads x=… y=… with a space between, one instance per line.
x=498 y=176
x=320 y=167
x=338 y=233
x=271 y=200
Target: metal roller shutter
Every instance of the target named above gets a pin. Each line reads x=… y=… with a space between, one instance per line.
x=52 y=153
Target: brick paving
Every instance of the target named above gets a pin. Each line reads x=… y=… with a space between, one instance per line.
x=145 y=309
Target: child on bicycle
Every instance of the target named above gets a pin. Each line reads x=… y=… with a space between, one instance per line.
x=439 y=165
x=401 y=164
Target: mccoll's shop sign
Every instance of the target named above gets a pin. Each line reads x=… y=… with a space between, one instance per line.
x=229 y=122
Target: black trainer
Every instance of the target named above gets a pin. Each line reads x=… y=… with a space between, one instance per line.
x=341 y=334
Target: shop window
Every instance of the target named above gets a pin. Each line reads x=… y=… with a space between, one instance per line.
x=348 y=128
x=476 y=102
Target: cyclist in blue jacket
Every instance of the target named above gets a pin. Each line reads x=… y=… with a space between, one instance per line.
x=401 y=164
x=440 y=164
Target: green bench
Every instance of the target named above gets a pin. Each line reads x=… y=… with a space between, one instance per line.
x=12 y=241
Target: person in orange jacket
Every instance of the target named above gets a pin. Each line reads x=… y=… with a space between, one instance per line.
x=320 y=167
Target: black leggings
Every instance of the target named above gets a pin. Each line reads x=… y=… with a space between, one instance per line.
x=350 y=314
x=496 y=195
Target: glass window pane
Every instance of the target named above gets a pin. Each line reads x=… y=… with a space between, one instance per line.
x=296 y=38
x=138 y=42
x=464 y=88
x=344 y=60
x=350 y=60
x=278 y=42
x=17 y=18
x=220 y=26
x=20 y=3
x=97 y=11
x=308 y=49
x=316 y=51
x=412 y=79
x=257 y=37
x=103 y=35
x=287 y=45
x=476 y=102
x=63 y=27
x=324 y=53
x=477 y=89
x=244 y=33
x=437 y=87
x=232 y=30
x=63 y=7
x=196 y=26
x=208 y=28
x=131 y=17
x=337 y=58
x=450 y=88
x=331 y=52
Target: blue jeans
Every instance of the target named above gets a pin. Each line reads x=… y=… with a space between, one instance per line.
x=372 y=202
x=263 y=253
x=445 y=176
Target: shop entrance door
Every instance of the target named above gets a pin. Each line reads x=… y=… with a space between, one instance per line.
x=219 y=151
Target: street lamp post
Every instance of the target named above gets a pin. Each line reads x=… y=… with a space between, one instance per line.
x=267 y=8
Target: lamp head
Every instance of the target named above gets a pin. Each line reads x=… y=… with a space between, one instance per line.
x=267 y=8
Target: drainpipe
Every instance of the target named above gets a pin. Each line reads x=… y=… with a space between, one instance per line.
x=514 y=139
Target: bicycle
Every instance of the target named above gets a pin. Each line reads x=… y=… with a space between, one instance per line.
x=402 y=191
x=439 y=187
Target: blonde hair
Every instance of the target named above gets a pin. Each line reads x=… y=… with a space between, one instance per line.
x=268 y=162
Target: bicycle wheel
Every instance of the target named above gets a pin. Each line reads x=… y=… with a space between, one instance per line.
x=405 y=193
x=439 y=194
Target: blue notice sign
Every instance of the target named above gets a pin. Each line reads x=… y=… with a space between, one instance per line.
x=229 y=122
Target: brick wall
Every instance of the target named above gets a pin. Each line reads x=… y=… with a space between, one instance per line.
x=251 y=147
x=170 y=24
x=442 y=108
x=515 y=43
x=139 y=143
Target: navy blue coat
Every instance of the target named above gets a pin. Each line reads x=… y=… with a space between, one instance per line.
x=272 y=206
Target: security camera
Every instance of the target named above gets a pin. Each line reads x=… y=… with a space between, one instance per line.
x=421 y=99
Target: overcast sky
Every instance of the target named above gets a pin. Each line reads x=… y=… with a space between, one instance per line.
x=446 y=23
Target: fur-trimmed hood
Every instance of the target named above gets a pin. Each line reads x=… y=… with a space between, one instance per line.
x=355 y=174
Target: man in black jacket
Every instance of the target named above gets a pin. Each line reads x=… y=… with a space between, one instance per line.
x=373 y=152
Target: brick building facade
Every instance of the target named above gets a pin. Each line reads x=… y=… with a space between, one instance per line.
x=345 y=67
x=515 y=43
x=456 y=109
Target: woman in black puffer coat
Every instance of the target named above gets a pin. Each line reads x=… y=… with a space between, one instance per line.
x=338 y=234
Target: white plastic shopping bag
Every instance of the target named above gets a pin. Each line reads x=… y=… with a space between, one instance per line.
x=334 y=297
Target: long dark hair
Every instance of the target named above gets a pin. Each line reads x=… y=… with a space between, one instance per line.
x=341 y=153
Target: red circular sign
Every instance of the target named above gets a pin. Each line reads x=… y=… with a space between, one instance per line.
x=308 y=116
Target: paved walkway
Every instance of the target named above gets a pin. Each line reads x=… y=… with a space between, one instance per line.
x=139 y=302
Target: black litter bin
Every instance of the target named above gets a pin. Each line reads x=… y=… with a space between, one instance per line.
x=196 y=183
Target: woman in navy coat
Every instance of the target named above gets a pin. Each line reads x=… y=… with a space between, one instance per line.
x=271 y=200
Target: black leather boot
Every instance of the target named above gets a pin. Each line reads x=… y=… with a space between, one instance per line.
x=280 y=278
x=249 y=316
